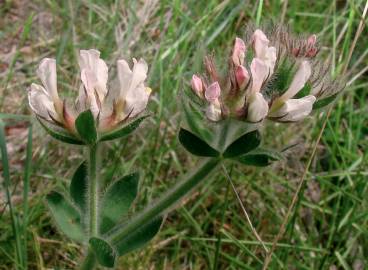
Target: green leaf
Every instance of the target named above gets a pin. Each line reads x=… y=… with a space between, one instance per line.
x=259 y=157
x=86 y=127
x=78 y=186
x=123 y=131
x=117 y=200
x=195 y=121
x=66 y=216
x=61 y=136
x=104 y=252
x=324 y=102
x=243 y=145
x=195 y=145
x=139 y=237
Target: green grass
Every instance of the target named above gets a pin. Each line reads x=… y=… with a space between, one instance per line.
x=328 y=226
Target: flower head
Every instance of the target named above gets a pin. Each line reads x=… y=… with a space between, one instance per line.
x=110 y=107
x=281 y=81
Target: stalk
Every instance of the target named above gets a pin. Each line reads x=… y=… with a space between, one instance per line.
x=166 y=201
x=93 y=191
x=89 y=262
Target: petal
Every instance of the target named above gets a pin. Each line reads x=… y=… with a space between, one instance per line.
x=260 y=71
x=270 y=58
x=260 y=43
x=213 y=111
x=124 y=75
x=47 y=73
x=238 y=52
x=242 y=76
x=299 y=80
x=197 y=85
x=87 y=96
x=90 y=60
x=257 y=108
x=140 y=70
x=212 y=92
x=40 y=102
x=137 y=100
x=295 y=109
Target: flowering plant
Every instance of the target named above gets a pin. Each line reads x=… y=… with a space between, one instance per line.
x=279 y=79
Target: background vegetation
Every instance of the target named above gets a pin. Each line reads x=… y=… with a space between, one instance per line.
x=328 y=227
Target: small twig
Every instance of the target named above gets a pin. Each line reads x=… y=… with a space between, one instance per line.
x=243 y=208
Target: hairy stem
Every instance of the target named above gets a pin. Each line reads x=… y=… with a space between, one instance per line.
x=93 y=191
x=89 y=261
x=166 y=201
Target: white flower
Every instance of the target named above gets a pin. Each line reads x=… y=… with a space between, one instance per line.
x=44 y=100
x=263 y=63
x=257 y=108
x=132 y=89
x=110 y=107
x=298 y=82
x=286 y=109
x=263 y=51
x=94 y=73
x=294 y=109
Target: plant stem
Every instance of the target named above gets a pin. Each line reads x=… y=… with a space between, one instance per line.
x=89 y=262
x=93 y=191
x=166 y=201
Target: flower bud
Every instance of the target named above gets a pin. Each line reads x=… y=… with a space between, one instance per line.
x=212 y=92
x=242 y=76
x=197 y=85
x=257 y=108
x=213 y=111
x=260 y=43
x=238 y=52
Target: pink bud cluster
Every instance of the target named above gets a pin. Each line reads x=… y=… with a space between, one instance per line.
x=247 y=91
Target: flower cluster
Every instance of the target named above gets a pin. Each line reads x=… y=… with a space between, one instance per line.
x=279 y=78
x=110 y=107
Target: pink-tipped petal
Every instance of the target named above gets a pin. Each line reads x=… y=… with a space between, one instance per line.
x=212 y=92
x=242 y=76
x=257 y=108
x=197 y=85
x=238 y=52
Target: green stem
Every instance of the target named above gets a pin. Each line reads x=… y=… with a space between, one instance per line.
x=93 y=191
x=166 y=201
x=89 y=262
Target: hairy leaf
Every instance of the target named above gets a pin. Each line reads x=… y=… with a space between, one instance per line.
x=123 y=131
x=117 y=201
x=243 y=145
x=104 y=252
x=66 y=216
x=139 y=237
x=78 y=186
x=195 y=145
